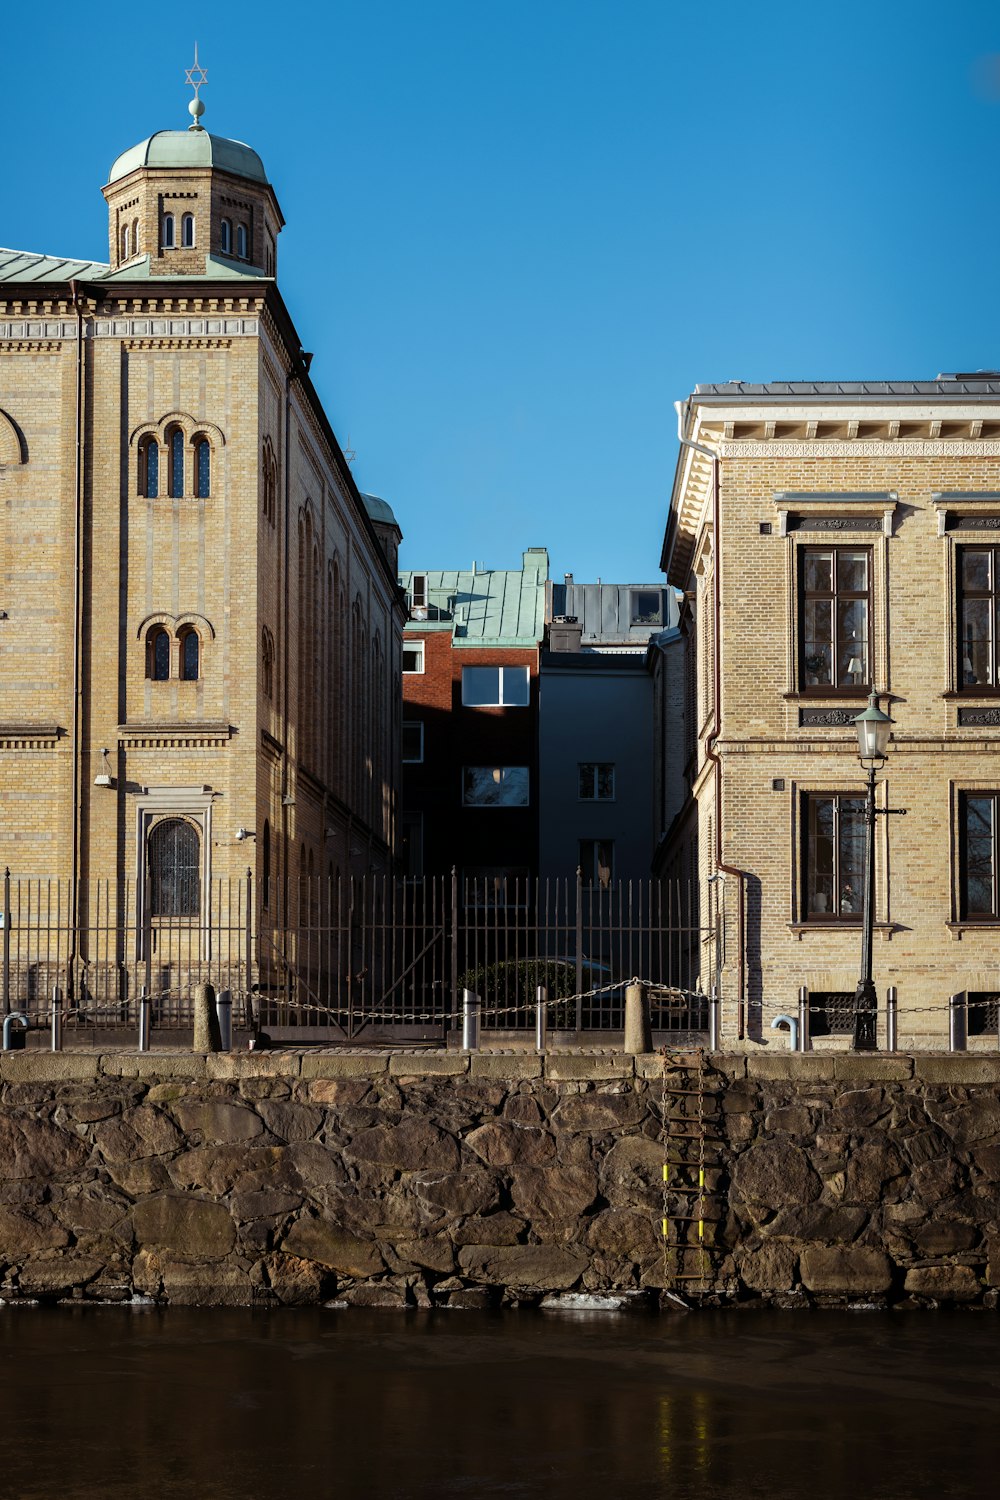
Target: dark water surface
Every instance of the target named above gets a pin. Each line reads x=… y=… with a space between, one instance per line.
x=109 y=1403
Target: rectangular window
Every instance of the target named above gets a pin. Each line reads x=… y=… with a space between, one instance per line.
x=495 y=786
x=413 y=741
x=411 y=844
x=977 y=616
x=597 y=862
x=495 y=687
x=646 y=606
x=834 y=857
x=413 y=656
x=978 y=856
x=597 y=781
x=835 y=619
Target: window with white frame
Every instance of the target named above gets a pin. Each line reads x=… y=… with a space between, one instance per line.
x=597 y=781
x=413 y=741
x=495 y=786
x=413 y=656
x=495 y=687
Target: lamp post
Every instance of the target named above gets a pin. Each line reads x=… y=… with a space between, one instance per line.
x=873 y=728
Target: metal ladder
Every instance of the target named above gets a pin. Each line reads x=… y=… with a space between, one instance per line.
x=690 y=1139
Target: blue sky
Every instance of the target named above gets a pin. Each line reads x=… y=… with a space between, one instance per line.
x=517 y=233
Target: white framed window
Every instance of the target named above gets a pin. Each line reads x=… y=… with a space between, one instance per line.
x=167 y=232
x=495 y=786
x=495 y=687
x=597 y=862
x=597 y=781
x=413 y=656
x=187 y=230
x=242 y=242
x=413 y=742
x=227 y=236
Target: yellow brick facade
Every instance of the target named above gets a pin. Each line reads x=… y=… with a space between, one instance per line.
x=824 y=472
x=281 y=550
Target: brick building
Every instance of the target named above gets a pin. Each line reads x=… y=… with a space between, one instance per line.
x=834 y=539
x=470 y=720
x=200 y=639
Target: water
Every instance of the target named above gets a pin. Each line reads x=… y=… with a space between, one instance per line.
x=107 y=1403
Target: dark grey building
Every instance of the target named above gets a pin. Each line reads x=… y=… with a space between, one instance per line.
x=596 y=731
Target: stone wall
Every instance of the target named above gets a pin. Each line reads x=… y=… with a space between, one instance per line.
x=428 y=1179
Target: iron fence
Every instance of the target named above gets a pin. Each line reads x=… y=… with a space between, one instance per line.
x=364 y=957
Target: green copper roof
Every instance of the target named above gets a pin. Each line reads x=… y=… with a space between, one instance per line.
x=22 y=265
x=190 y=148
x=496 y=607
x=379 y=510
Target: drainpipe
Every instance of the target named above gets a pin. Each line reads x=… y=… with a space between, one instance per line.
x=710 y=749
x=77 y=651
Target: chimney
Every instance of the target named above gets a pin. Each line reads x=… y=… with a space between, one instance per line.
x=565 y=633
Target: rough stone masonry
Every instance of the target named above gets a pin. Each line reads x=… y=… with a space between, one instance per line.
x=430 y=1179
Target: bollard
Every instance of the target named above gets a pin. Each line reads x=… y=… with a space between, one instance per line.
x=206 y=1022
x=470 y=1021
x=713 y=1020
x=891 y=1011
x=224 y=1011
x=145 y=1006
x=958 y=1023
x=541 y=1017
x=57 y=1018
x=805 y=1040
x=638 y=1037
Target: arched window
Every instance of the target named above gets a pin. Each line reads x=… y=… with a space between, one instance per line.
x=175 y=447
x=190 y=651
x=227 y=236
x=175 y=869
x=202 y=468
x=270 y=482
x=125 y=243
x=158 y=654
x=265 y=867
x=187 y=230
x=149 y=468
x=167 y=235
x=242 y=242
x=135 y=236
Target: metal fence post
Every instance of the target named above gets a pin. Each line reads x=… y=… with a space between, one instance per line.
x=579 y=947
x=248 y=955
x=57 y=1019
x=891 y=1015
x=6 y=942
x=713 y=1020
x=224 y=1011
x=453 y=941
x=541 y=1017
x=805 y=1040
x=470 y=1021
x=144 y=1009
x=958 y=1022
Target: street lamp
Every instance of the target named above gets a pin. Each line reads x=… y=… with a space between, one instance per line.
x=873 y=728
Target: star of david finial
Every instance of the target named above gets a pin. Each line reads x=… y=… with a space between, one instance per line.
x=196 y=76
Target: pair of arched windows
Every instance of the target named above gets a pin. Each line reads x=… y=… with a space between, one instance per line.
x=168 y=232
x=149 y=465
x=130 y=240
x=159 y=653
x=242 y=242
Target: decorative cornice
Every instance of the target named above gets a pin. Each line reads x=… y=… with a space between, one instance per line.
x=50 y=332
x=844 y=448
x=161 y=736
x=29 y=736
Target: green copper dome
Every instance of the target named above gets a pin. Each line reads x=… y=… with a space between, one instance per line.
x=190 y=148
x=379 y=509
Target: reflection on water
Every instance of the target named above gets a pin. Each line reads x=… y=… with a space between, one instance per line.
x=108 y=1403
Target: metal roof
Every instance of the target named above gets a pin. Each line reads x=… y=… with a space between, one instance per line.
x=193 y=147
x=977 y=383
x=23 y=265
x=495 y=607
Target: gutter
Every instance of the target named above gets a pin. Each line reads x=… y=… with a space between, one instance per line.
x=682 y=409
x=74 y=895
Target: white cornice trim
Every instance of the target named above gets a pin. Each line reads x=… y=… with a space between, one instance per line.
x=837 y=448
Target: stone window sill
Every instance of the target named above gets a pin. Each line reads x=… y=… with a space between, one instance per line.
x=958 y=929
x=852 y=927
